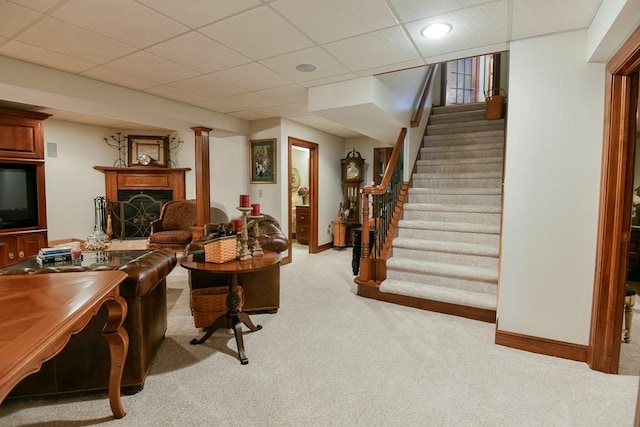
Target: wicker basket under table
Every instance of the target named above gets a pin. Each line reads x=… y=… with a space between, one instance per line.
x=207 y=304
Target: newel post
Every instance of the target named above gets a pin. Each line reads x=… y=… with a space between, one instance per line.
x=366 y=265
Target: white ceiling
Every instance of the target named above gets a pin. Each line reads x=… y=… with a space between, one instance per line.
x=238 y=57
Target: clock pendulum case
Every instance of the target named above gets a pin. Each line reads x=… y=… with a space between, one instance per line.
x=352 y=177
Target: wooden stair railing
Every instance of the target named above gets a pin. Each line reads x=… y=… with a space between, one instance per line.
x=389 y=196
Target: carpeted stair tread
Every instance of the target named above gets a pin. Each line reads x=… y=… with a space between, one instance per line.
x=442 y=207
x=468 y=161
x=481 y=137
x=449 y=247
x=462 y=127
x=457 y=117
x=442 y=294
x=428 y=150
x=457 y=191
x=446 y=109
x=450 y=226
x=459 y=175
x=481 y=274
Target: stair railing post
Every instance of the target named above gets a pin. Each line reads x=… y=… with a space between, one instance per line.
x=366 y=269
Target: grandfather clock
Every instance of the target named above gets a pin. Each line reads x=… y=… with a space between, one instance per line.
x=352 y=177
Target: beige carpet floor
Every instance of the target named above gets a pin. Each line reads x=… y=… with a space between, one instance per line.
x=331 y=358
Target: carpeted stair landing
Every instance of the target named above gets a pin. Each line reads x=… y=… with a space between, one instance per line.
x=448 y=240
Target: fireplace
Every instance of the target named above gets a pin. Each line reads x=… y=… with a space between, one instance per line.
x=136 y=195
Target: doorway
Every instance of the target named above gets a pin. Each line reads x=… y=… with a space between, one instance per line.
x=621 y=102
x=300 y=149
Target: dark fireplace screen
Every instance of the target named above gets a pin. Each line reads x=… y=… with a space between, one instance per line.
x=132 y=214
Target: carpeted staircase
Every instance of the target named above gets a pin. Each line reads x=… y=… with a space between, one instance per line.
x=448 y=240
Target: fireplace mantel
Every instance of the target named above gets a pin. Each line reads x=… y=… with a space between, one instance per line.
x=143 y=178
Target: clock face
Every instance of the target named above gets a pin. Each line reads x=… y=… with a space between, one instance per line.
x=353 y=170
x=144 y=159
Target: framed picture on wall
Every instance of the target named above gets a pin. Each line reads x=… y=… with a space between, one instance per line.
x=263 y=161
x=146 y=150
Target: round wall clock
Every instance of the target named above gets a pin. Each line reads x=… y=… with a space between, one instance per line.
x=144 y=159
x=295 y=179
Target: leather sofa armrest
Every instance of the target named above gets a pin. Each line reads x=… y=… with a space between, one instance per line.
x=146 y=271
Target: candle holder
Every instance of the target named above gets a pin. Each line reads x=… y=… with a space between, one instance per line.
x=245 y=253
x=257 y=249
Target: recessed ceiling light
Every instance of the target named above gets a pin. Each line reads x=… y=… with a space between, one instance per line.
x=306 y=68
x=437 y=30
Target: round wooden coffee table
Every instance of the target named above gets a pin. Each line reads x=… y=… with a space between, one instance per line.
x=234 y=318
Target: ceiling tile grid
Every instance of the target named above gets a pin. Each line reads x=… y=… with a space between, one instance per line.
x=239 y=57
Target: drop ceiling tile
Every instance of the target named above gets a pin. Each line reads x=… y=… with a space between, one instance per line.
x=375 y=49
x=14 y=18
x=329 y=20
x=288 y=110
x=391 y=68
x=286 y=64
x=199 y=52
x=199 y=12
x=248 y=115
x=241 y=102
x=258 y=33
x=208 y=87
x=251 y=77
x=70 y=40
x=411 y=10
x=123 y=20
x=533 y=18
x=473 y=27
x=119 y=77
x=328 y=80
x=148 y=66
x=285 y=94
x=38 y=5
x=44 y=57
x=176 y=94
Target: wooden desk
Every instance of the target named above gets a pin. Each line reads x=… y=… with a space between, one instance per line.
x=40 y=312
x=234 y=318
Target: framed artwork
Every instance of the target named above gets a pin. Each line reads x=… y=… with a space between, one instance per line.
x=263 y=161
x=146 y=150
x=295 y=179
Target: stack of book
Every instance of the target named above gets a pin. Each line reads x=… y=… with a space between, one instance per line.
x=53 y=255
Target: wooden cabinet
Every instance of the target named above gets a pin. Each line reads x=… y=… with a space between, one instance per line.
x=22 y=148
x=303 y=224
x=21 y=134
x=15 y=248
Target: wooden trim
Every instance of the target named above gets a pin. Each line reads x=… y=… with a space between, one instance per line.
x=313 y=186
x=203 y=183
x=615 y=206
x=545 y=346
x=373 y=291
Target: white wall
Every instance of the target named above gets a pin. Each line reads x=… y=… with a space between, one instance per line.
x=71 y=182
x=551 y=192
x=330 y=151
x=229 y=173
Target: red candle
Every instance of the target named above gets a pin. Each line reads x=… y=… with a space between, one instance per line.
x=237 y=224
x=255 y=209
x=244 y=200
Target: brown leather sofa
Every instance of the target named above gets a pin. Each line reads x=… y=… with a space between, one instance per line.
x=83 y=364
x=261 y=289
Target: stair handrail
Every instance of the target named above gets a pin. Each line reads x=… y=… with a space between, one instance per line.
x=387 y=194
x=417 y=117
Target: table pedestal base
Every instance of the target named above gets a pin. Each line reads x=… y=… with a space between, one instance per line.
x=231 y=321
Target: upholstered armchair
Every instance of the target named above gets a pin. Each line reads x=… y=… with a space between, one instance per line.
x=172 y=230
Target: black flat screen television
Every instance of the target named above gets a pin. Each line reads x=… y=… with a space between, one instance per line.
x=18 y=196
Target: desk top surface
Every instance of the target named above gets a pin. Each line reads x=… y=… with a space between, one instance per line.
x=255 y=264
x=38 y=313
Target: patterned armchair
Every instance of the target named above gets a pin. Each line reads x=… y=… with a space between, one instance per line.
x=173 y=229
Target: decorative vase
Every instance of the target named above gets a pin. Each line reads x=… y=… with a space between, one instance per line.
x=305 y=200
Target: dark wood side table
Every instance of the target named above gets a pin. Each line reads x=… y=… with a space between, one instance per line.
x=234 y=318
x=41 y=311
